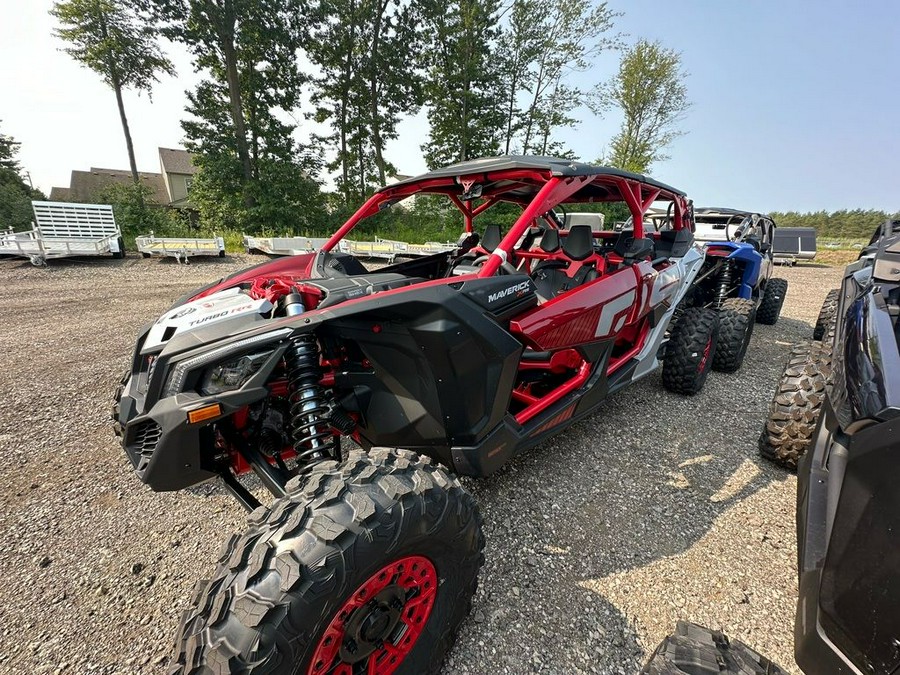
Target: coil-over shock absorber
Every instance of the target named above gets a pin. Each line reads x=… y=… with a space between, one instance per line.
x=312 y=439
x=723 y=282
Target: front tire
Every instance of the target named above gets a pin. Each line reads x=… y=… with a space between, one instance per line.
x=772 y=302
x=736 y=319
x=691 y=351
x=382 y=549
x=825 y=323
x=795 y=408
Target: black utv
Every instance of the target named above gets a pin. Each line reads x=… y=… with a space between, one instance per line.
x=842 y=399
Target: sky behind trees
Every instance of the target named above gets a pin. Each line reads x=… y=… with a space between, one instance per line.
x=793 y=103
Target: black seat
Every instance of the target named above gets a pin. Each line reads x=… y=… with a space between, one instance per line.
x=492 y=238
x=550 y=241
x=673 y=243
x=550 y=276
x=579 y=243
x=633 y=250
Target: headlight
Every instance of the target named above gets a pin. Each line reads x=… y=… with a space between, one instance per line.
x=232 y=374
x=177 y=377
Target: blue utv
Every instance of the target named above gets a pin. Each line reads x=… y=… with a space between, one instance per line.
x=736 y=278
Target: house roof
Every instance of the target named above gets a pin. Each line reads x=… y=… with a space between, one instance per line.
x=85 y=185
x=553 y=165
x=60 y=194
x=177 y=161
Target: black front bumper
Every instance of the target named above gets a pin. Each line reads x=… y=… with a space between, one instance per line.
x=167 y=453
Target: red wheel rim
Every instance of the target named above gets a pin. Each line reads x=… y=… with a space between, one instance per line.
x=379 y=624
x=705 y=356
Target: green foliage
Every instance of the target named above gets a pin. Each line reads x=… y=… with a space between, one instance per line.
x=15 y=193
x=545 y=42
x=838 y=225
x=651 y=92
x=137 y=213
x=8 y=150
x=462 y=90
x=253 y=175
x=107 y=37
x=362 y=51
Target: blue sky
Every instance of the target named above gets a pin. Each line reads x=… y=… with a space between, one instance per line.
x=794 y=103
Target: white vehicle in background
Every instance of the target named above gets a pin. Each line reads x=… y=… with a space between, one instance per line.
x=595 y=220
x=63 y=230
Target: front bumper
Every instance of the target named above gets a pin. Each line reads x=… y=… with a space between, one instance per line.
x=167 y=453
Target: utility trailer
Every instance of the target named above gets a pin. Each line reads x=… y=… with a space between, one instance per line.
x=791 y=244
x=282 y=245
x=386 y=249
x=63 y=230
x=180 y=248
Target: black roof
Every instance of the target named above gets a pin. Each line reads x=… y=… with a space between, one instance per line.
x=555 y=165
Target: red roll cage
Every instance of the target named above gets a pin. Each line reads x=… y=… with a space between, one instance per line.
x=508 y=185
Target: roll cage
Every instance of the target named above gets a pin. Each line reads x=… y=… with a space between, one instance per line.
x=538 y=186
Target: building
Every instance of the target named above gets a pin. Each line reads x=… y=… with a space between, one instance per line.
x=170 y=187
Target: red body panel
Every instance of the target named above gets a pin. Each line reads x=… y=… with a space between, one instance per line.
x=598 y=310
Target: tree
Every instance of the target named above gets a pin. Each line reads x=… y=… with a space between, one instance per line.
x=241 y=126
x=464 y=96
x=108 y=37
x=572 y=35
x=15 y=193
x=651 y=92
x=362 y=50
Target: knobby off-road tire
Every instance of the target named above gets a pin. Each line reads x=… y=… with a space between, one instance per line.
x=284 y=591
x=695 y=650
x=794 y=410
x=691 y=351
x=736 y=319
x=825 y=324
x=772 y=301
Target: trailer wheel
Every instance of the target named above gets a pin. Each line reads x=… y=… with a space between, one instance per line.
x=369 y=565
x=695 y=650
x=772 y=301
x=794 y=410
x=736 y=319
x=691 y=351
x=120 y=254
x=825 y=323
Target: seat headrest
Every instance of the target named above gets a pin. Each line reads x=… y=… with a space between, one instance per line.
x=579 y=243
x=550 y=241
x=492 y=238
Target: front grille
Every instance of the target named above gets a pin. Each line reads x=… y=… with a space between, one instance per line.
x=143 y=444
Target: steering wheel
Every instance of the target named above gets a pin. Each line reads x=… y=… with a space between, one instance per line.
x=506 y=266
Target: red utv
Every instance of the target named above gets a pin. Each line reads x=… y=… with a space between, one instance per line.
x=367 y=559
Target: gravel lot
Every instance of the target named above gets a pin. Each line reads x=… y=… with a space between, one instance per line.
x=655 y=509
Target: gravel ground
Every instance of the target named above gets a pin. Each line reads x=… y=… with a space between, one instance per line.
x=654 y=509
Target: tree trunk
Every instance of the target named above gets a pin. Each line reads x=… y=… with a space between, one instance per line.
x=226 y=38
x=128 y=142
x=374 y=96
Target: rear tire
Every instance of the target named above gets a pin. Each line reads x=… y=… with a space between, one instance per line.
x=288 y=592
x=118 y=255
x=736 y=319
x=825 y=323
x=695 y=650
x=794 y=410
x=691 y=351
x=772 y=302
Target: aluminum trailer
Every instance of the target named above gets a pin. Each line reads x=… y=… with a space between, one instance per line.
x=794 y=243
x=62 y=230
x=180 y=248
x=386 y=249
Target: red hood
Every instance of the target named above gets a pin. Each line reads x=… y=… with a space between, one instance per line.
x=296 y=266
